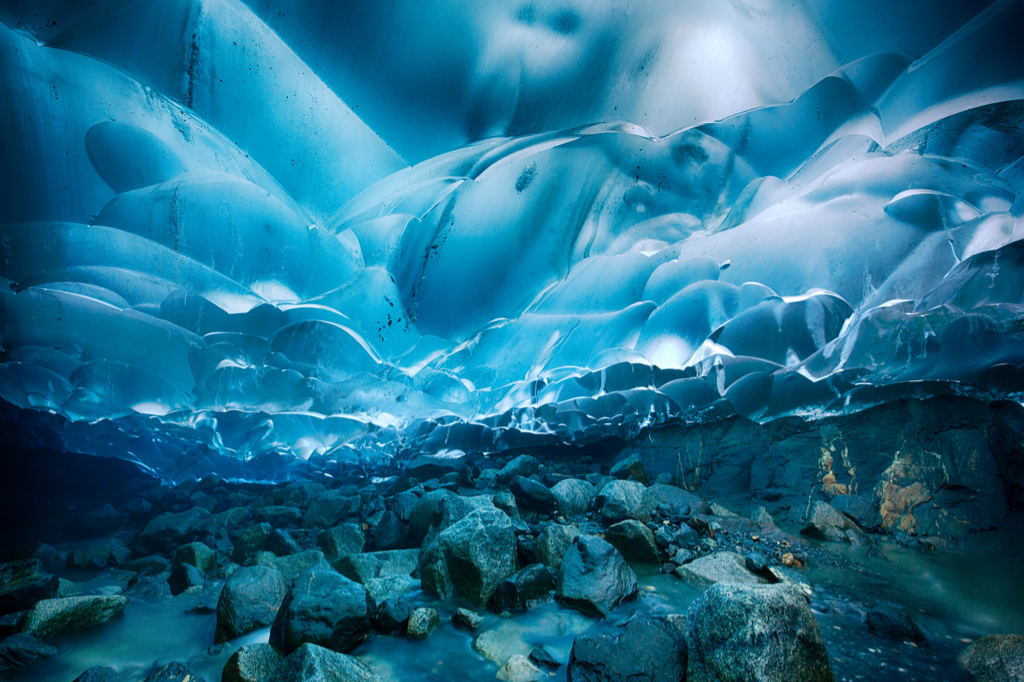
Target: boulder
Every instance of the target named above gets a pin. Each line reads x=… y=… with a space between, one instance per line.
x=529 y=584
x=464 y=618
x=195 y=554
x=423 y=515
x=391 y=586
x=573 y=496
x=421 y=622
x=995 y=658
x=21 y=649
x=175 y=672
x=23 y=583
x=720 y=567
x=53 y=617
x=342 y=541
x=393 y=614
x=250 y=543
x=594 y=577
x=469 y=559
x=329 y=508
x=676 y=502
x=826 y=523
x=252 y=663
x=631 y=468
x=175 y=529
x=553 y=542
x=366 y=567
x=532 y=495
x=647 y=649
x=325 y=608
x=98 y=674
x=861 y=510
x=292 y=565
x=634 y=540
x=312 y=663
x=621 y=500
x=520 y=668
x=749 y=633
x=523 y=465
x=184 y=576
x=281 y=543
x=541 y=658
x=893 y=622
x=249 y=601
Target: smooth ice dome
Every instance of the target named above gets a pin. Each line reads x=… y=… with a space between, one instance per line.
x=232 y=237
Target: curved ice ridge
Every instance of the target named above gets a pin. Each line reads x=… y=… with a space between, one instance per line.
x=856 y=245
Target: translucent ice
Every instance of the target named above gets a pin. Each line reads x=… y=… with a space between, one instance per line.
x=211 y=242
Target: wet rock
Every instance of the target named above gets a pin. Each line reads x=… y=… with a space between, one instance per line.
x=892 y=621
x=281 y=543
x=342 y=541
x=506 y=502
x=291 y=566
x=647 y=649
x=553 y=542
x=423 y=515
x=324 y=608
x=279 y=515
x=634 y=540
x=995 y=658
x=532 y=495
x=196 y=554
x=252 y=663
x=173 y=528
x=594 y=577
x=531 y=583
x=720 y=567
x=226 y=523
x=329 y=508
x=312 y=663
x=388 y=533
x=184 y=576
x=541 y=658
x=519 y=668
x=421 y=622
x=828 y=524
x=175 y=672
x=464 y=618
x=393 y=615
x=365 y=567
x=250 y=543
x=860 y=509
x=391 y=586
x=249 y=601
x=746 y=633
x=153 y=562
x=676 y=502
x=621 y=500
x=23 y=583
x=573 y=497
x=98 y=674
x=22 y=649
x=470 y=558
x=787 y=576
x=53 y=617
x=523 y=465
x=631 y=468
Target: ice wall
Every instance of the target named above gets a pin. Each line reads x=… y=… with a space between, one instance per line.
x=214 y=250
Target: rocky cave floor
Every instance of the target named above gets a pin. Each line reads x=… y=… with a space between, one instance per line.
x=473 y=568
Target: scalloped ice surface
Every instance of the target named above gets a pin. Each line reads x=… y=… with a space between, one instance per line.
x=259 y=243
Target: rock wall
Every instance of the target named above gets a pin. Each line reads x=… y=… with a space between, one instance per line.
x=942 y=467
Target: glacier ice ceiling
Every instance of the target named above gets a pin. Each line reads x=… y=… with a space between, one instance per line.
x=255 y=237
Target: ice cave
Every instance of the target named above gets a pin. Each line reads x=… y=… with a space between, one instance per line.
x=584 y=340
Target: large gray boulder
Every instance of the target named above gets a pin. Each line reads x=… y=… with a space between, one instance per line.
x=249 y=601
x=469 y=559
x=995 y=658
x=573 y=496
x=647 y=649
x=634 y=540
x=176 y=529
x=329 y=508
x=621 y=500
x=54 y=617
x=594 y=577
x=252 y=663
x=23 y=583
x=748 y=633
x=720 y=567
x=311 y=663
x=553 y=542
x=372 y=565
x=21 y=649
x=325 y=608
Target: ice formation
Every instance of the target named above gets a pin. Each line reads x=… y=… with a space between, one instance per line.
x=216 y=254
